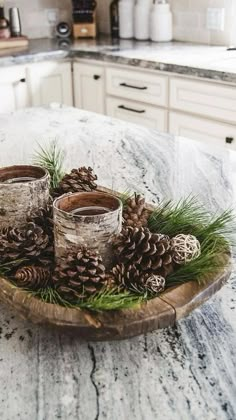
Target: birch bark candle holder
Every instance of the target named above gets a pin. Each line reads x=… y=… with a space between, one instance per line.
x=87 y=219
x=23 y=189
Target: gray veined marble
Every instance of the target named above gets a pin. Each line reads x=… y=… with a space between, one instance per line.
x=201 y=61
x=186 y=372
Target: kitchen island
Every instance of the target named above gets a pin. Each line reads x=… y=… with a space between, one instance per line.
x=184 y=372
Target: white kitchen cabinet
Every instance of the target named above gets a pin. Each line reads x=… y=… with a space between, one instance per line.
x=89 y=87
x=13 y=89
x=137 y=112
x=137 y=86
x=208 y=99
x=207 y=131
x=50 y=82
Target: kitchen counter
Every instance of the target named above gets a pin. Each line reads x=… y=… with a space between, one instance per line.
x=201 y=61
x=184 y=372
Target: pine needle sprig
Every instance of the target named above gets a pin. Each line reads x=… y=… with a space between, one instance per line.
x=51 y=158
x=184 y=217
x=8 y=267
x=105 y=300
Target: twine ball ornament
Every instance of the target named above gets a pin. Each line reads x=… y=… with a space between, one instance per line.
x=155 y=283
x=185 y=248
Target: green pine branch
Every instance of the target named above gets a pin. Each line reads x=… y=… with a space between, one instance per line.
x=52 y=159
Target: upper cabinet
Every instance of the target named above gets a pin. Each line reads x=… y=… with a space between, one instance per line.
x=89 y=91
x=49 y=82
x=13 y=89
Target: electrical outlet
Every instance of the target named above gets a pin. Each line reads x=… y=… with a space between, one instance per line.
x=52 y=15
x=216 y=19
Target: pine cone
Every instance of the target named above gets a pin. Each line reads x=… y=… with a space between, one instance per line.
x=149 y=252
x=17 y=243
x=82 y=274
x=32 y=277
x=78 y=180
x=130 y=277
x=43 y=217
x=135 y=214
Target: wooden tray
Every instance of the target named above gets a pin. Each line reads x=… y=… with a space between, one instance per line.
x=161 y=312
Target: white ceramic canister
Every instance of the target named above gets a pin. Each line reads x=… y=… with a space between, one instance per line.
x=142 y=11
x=126 y=18
x=161 y=22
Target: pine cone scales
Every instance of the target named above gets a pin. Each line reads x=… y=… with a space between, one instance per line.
x=32 y=277
x=135 y=214
x=80 y=275
x=149 y=252
x=78 y=180
x=27 y=242
x=132 y=278
x=44 y=218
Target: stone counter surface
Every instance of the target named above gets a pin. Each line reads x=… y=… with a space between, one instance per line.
x=189 y=59
x=186 y=372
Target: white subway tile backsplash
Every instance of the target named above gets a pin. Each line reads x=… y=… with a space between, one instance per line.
x=189 y=18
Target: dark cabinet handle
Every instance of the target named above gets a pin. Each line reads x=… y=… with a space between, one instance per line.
x=131 y=109
x=22 y=80
x=133 y=87
x=96 y=77
x=229 y=140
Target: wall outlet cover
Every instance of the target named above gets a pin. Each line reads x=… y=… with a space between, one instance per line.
x=52 y=15
x=216 y=19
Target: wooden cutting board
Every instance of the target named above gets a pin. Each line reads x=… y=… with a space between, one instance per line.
x=21 y=41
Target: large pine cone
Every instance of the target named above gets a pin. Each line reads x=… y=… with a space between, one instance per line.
x=82 y=274
x=78 y=180
x=29 y=241
x=32 y=277
x=135 y=214
x=132 y=278
x=149 y=252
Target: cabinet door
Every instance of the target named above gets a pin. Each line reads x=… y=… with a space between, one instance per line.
x=89 y=87
x=13 y=89
x=138 y=113
x=210 y=132
x=50 y=82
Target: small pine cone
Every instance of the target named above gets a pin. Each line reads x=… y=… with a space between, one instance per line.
x=78 y=180
x=33 y=277
x=130 y=277
x=149 y=252
x=135 y=214
x=80 y=275
x=29 y=241
x=43 y=217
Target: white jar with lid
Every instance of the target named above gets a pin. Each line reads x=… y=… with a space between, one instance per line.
x=142 y=11
x=126 y=18
x=161 y=22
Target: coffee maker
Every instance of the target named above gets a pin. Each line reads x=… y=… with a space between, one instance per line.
x=84 y=18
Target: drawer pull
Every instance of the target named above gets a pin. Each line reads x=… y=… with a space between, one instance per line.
x=229 y=140
x=96 y=77
x=133 y=87
x=22 y=80
x=131 y=109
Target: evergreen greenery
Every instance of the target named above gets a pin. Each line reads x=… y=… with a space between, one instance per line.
x=51 y=158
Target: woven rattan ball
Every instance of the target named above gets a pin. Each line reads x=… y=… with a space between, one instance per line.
x=185 y=248
x=155 y=283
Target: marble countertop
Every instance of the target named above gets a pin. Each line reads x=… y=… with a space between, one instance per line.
x=197 y=60
x=186 y=372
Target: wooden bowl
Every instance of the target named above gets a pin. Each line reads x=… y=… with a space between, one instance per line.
x=160 y=312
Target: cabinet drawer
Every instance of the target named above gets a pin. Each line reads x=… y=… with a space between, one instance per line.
x=208 y=99
x=209 y=132
x=138 y=113
x=144 y=87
